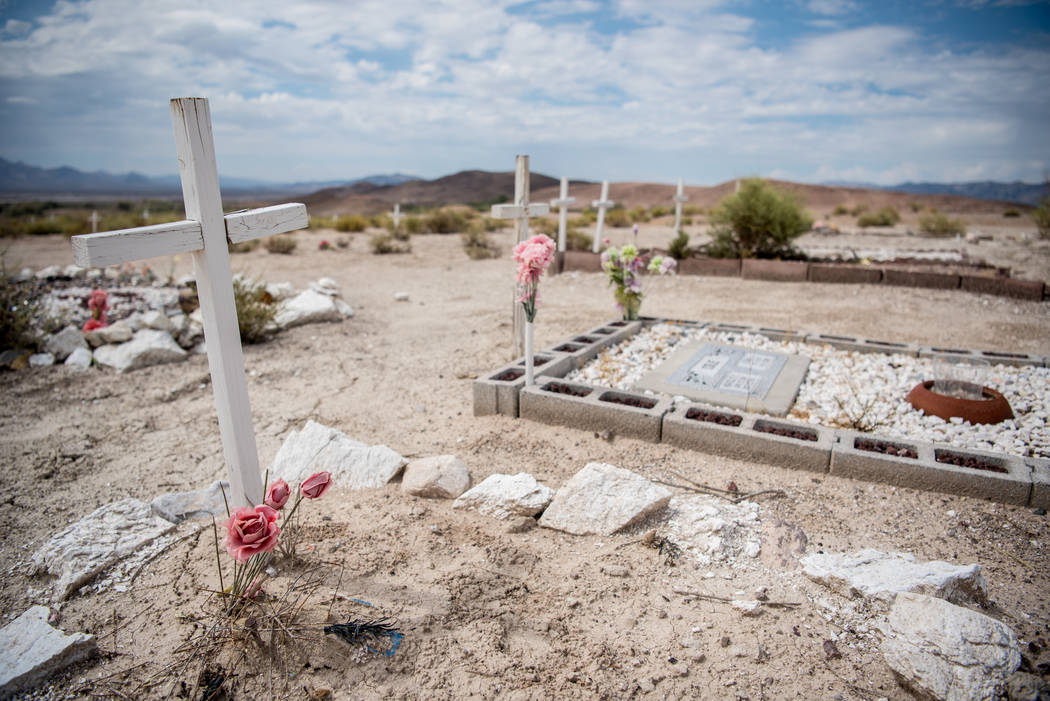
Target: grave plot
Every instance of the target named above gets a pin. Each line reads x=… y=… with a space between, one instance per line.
x=817 y=402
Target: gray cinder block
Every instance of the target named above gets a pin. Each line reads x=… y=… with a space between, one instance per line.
x=497 y=392
x=601 y=409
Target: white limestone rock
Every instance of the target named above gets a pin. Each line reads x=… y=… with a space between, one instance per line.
x=80 y=358
x=114 y=333
x=711 y=529
x=41 y=360
x=147 y=347
x=873 y=574
x=65 y=342
x=73 y=271
x=31 y=650
x=504 y=496
x=326 y=286
x=947 y=652
x=156 y=319
x=82 y=550
x=49 y=273
x=307 y=307
x=280 y=290
x=177 y=507
x=353 y=465
x=602 y=499
x=436 y=477
x=343 y=308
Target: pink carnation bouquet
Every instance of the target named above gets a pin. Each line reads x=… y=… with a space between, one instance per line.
x=533 y=256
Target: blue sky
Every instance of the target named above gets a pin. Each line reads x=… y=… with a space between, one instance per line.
x=650 y=90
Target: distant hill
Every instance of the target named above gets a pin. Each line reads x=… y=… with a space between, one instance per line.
x=465 y=187
x=1017 y=191
x=17 y=178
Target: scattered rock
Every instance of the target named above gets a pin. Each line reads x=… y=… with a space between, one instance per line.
x=31 y=651
x=436 y=477
x=63 y=343
x=80 y=551
x=748 y=607
x=80 y=358
x=49 y=273
x=148 y=347
x=1022 y=686
x=616 y=570
x=831 y=651
x=114 y=333
x=279 y=291
x=945 y=651
x=503 y=496
x=326 y=286
x=307 y=307
x=712 y=529
x=783 y=544
x=156 y=320
x=181 y=506
x=602 y=499
x=873 y=574
x=353 y=465
x=400 y=296
x=40 y=360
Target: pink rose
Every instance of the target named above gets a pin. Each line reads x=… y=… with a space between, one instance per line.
x=250 y=531
x=277 y=494
x=92 y=324
x=316 y=485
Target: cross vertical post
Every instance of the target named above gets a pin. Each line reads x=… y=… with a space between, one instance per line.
x=562 y=203
x=520 y=212
x=397 y=214
x=679 y=198
x=602 y=203
x=94 y=221
x=211 y=265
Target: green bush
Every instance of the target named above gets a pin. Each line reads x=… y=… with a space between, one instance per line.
x=840 y=210
x=576 y=240
x=617 y=217
x=589 y=215
x=445 y=221
x=859 y=210
x=384 y=243
x=1041 y=217
x=354 y=223
x=280 y=244
x=679 y=247
x=916 y=207
x=1011 y=213
x=887 y=216
x=477 y=243
x=639 y=215
x=658 y=210
x=255 y=310
x=18 y=308
x=545 y=226
x=692 y=210
x=936 y=224
x=687 y=221
x=759 y=221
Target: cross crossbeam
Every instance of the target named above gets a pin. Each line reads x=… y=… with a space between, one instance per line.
x=517 y=211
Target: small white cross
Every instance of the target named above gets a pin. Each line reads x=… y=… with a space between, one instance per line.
x=145 y=214
x=520 y=212
x=397 y=214
x=602 y=203
x=679 y=198
x=205 y=233
x=94 y=221
x=562 y=203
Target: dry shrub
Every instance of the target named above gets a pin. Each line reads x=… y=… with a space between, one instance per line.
x=18 y=308
x=477 y=244
x=353 y=223
x=384 y=243
x=936 y=224
x=445 y=221
x=244 y=246
x=618 y=218
x=255 y=310
x=280 y=244
x=576 y=240
x=679 y=247
x=886 y=216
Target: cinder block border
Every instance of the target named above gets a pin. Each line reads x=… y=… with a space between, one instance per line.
x=847 y=274
x=582 y=348
x=776 y=270
x=599 y=410
x=914 y=278
x=1022 y=481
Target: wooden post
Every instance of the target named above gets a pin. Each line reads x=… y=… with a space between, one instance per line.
x=94 y=221
x=679 y=198
x=397 y=214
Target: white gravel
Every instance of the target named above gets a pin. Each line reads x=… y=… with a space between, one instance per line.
x=865 y=391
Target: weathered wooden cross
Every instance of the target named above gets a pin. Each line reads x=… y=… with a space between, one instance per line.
x=520 y=212
x=562 y=203
x=94 y=221
x=397 y=214
x=679 y=198
x=205 y=233
x=602 y=203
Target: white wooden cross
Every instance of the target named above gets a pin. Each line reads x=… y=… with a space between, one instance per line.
x=679 y=198
x=397 y=214
x=145 y=214
x=520 y=212
x=562 y=203
x=602 y=203
x=205 y=233
x=94 y=221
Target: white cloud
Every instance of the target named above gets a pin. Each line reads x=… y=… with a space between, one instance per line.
x=324 y=89
x=831 y=7
x=20 y=100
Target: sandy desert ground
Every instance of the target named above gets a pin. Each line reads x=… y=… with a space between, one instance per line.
x=487 y=613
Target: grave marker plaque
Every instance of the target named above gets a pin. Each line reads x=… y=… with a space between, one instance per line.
x=731 y=376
